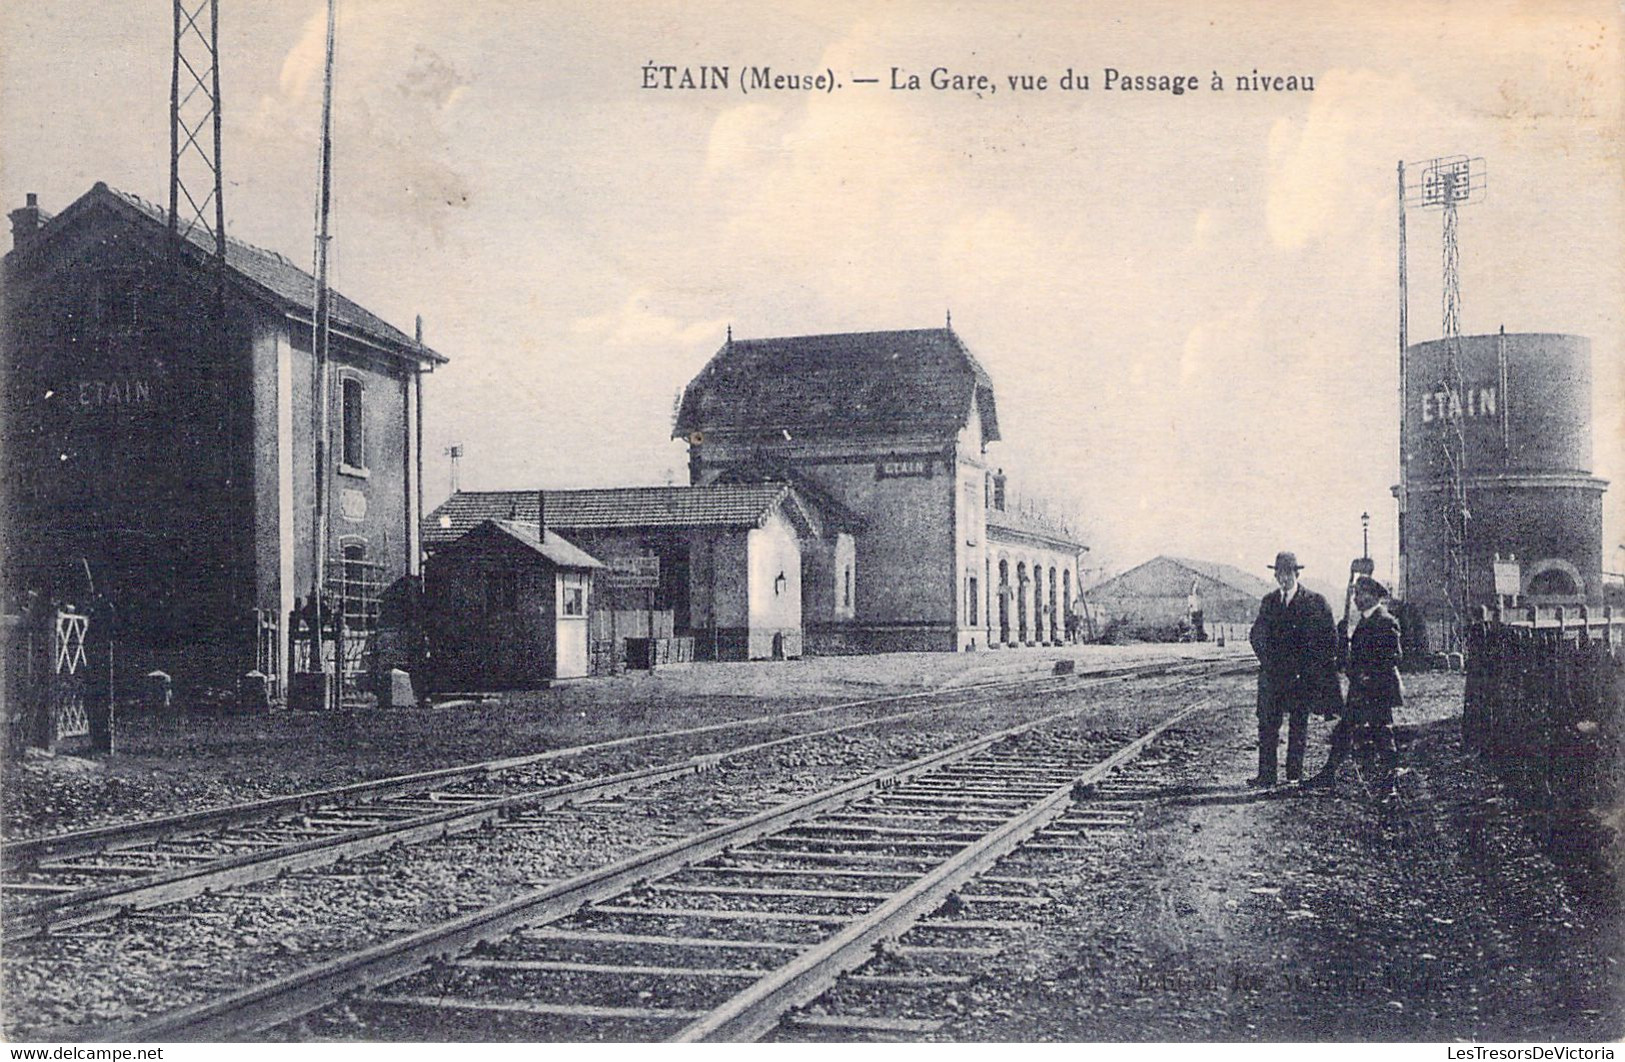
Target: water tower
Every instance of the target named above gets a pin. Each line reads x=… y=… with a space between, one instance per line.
x=1523 y=410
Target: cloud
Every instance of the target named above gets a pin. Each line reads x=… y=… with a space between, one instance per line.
x=1320 y=163
x=634 y=323
x=392 y=120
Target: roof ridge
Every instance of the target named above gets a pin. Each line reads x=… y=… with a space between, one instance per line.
x=162 y=214
x=263 y=272
x=839 y=335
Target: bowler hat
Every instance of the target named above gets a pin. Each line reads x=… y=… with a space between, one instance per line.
x=1368 y=585
x=1286 y=559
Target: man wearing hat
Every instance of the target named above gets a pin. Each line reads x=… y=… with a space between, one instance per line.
x=1296 y=645
x=1370 y=656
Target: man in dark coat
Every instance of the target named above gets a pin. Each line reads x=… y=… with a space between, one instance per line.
x=1370 y=655
x=1297 y=668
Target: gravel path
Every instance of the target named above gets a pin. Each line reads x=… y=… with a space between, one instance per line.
x=1235 y=916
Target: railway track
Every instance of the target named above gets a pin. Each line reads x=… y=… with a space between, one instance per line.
x=722 y=935
x=70 y=880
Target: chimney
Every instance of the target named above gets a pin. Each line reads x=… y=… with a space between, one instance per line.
x=26 y=221
x=541 y=516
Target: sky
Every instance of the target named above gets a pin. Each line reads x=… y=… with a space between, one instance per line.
x=1187 y=303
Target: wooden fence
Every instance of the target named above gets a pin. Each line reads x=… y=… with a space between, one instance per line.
x=1545 y=703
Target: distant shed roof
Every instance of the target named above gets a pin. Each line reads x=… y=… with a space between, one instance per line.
x=266 y=272
x=720 y=505
x=919 y=378
x=1166 y=576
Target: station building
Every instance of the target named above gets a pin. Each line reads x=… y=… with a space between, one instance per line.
x=159 y=430
x=893 y=427
x=736 y=565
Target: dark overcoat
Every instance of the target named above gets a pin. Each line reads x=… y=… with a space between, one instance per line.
x=1297 y=653
x=1371 y=661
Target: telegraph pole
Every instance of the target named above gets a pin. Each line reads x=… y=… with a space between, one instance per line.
x=1401 y=589
x=320 y=334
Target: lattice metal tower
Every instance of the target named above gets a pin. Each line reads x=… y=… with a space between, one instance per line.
x=1446 y=184
x=195 y=182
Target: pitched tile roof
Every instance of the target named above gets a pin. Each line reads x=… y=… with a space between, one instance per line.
x=266 y=272
x=555 y=547
x=854 y=381
x=833 y=512
x=722 y=505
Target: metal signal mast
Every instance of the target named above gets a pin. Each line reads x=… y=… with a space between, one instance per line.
x=1446 y=184
x=195 y=199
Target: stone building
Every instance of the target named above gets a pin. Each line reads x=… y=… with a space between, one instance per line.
x=159 y=426
x=893 y=427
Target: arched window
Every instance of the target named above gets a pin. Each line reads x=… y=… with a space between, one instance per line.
x=1004 y=600
x=1023 y=599
x=1054 y=613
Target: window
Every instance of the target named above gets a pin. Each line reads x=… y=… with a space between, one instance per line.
x=970 y=600
x=573 y=596
x=354 y=442
x=846 y=587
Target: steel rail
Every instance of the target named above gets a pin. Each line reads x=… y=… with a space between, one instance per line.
x=19 y=854
x=248 y=1011
x=760 y=1007
x=168 y=885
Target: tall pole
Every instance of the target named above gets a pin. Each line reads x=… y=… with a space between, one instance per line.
x=319 y=347
x=1446 y=184
x=1453 y=437
x=219 y=173
x=197 y=205
x=175 y=131
x=1404 y=443
x=196 y=183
